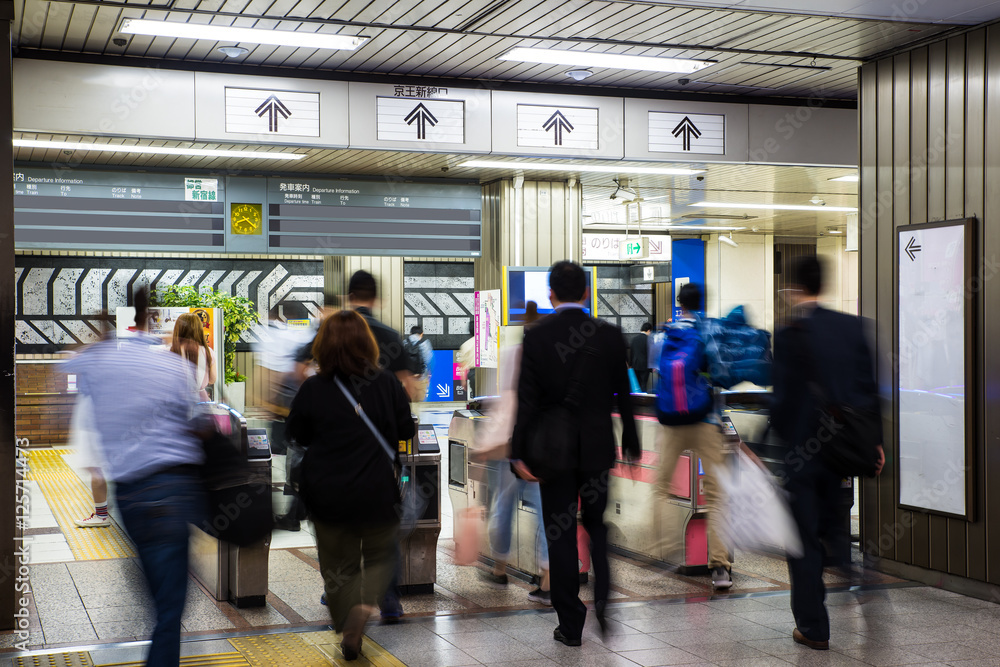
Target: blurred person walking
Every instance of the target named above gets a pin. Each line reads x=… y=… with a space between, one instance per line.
x=348 y=480
x=420 y=354
x=694 y=427
x=639 y=355
x=573 y=371
x=505 y=488
x=189 y=342
x=144 y=401
x=821 y=359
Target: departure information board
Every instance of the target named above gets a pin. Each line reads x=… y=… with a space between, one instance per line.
x=374 y=217
x=93 y=210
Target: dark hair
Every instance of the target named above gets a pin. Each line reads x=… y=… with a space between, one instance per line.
x=416 y=330
x=646 y=326
x=690 y=297
x=807 y=273
x=140 y=299
x=568 y=281
x=294 y=310
x=345 y=346
x=362 y=287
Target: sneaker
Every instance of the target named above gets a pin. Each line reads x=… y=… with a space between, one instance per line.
x=322 y=599
x=93 y=521
x=721 y=578
x=498 y=580
x=540 y=596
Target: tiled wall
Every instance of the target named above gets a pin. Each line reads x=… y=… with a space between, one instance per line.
x=44 y=406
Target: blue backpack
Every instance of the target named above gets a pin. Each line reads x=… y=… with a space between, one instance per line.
x=684 y=395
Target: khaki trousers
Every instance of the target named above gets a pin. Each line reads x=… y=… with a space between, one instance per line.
x=704 y=440
x=357 y=563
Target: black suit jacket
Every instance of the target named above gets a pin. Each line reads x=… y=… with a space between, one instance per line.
x=550 y=350
x=826 y=347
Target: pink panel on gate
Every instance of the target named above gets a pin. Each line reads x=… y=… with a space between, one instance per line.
x=696 y=542
x=583 y=548
x=680 y=485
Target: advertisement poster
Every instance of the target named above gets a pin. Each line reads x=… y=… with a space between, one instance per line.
x=487 y=328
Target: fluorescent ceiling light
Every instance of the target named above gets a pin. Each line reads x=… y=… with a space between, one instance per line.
x=574 y=58
x=850 y=178
x=220 y=33
x=777 y=207
x=157 y=150
x=660 y=227
x=562 y=166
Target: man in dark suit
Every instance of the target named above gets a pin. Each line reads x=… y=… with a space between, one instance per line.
x=550 y=354
x=821 y=352
x=640 y=355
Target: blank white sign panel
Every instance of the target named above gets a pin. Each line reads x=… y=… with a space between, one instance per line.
x=272 y=113
x=555 y=127
x=702 y=133
x=932 y=359
x=408 y=119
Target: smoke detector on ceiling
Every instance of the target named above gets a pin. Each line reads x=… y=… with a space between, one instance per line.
x=234 y=51
x=579 y=74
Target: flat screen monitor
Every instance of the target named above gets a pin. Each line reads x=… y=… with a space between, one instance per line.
x=522 y=284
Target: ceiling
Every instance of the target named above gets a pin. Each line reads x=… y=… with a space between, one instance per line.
x=667 y=197
x=462 y=38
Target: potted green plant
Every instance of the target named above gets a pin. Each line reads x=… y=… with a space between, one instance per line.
x=238 y=315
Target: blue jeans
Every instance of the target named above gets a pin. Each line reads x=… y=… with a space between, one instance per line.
x=157 y=511
x=505 y=490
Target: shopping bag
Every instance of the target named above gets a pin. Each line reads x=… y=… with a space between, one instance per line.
x=468 y=532
x=755 y=513
x=633 y=382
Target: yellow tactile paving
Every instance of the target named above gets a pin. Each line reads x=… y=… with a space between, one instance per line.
x=76 y=659
x=311 y=649
x=216 y=660
x=70 y=499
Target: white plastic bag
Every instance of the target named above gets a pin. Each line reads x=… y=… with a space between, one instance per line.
x=755 y=514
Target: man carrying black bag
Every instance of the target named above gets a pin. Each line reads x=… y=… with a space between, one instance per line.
x=573 y=372
x=826 y=409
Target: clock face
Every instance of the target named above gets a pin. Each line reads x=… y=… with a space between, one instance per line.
x=245 y=218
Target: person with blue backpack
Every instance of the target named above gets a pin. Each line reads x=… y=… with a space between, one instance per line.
x=686 y=407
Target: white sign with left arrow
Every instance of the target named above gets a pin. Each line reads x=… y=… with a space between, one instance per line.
x=269 y=113
x=408 y=119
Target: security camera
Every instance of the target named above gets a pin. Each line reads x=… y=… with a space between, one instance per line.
x=119 y=41
x=684 y=82
x=699 y=178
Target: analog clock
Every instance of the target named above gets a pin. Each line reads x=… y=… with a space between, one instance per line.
x=245 y=218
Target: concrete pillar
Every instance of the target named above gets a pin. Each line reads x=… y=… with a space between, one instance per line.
x=8 y=488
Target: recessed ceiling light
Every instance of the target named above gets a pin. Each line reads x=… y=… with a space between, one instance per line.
x=850 y=178
x=816 y=201
x=233 y=51
x=776 y=207
x=575 y=58
x=157 y=150
x=592 y=168
x=834 y=230
x=219 y=33
x=579 y=74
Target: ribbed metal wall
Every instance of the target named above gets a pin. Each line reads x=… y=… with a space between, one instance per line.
x=926 y=155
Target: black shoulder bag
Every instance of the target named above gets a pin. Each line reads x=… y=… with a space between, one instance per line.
x=554 y=438
x=849 y=436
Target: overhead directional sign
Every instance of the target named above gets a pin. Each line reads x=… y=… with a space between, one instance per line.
x=699 y=133
x=557 y=127
x=432 y=120
x=636 y=247
x=609 y=246
x=272 y=112
x=273 y=107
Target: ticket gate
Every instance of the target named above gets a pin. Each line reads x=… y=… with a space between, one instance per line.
x=421 y=457
x=230 y=572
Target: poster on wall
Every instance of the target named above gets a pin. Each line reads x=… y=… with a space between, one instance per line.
x=934 y=350
x=487 y=328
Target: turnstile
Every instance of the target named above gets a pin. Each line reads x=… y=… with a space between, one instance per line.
x=230 y=572
x=421 y=457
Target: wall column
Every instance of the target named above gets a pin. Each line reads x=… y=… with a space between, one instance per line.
x=8 y=487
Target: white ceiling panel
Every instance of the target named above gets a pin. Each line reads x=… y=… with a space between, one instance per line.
x=970 y=12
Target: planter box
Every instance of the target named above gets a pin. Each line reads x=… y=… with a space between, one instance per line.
x=236 y=396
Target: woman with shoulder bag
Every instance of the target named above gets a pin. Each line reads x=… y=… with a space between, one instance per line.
x=349 y=483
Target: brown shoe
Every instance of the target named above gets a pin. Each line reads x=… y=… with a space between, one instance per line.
x=805 y=641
